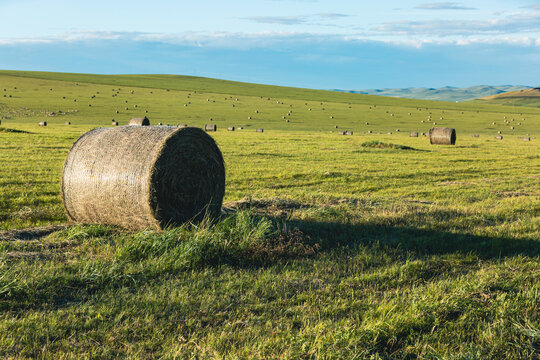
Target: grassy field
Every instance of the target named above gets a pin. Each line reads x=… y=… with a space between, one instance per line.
x=376 y=245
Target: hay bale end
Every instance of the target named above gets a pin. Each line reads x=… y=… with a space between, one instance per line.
x=442 y=136
x=143 y=177
x=144 y=121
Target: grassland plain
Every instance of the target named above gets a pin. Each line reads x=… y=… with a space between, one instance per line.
x=343 y=247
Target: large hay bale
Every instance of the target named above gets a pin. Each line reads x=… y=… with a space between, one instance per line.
x=143 y=177
x=140 y=121
x=442 y=136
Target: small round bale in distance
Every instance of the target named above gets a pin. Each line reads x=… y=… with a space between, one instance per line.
x=142 y=177
x=210 y=127
x=442 y=136
x=140 y=121
x=413 y=134
x=42 y=123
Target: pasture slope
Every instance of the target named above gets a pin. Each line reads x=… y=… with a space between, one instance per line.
x=370 y=246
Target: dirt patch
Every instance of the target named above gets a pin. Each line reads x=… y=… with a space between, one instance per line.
x=30 y=233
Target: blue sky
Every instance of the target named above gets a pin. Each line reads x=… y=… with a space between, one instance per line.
x=305 y=43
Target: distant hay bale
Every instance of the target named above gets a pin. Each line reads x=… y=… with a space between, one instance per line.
x=210 y=127
x=249 y=117
x=260 y=130
x=68 y=123
x=369 y=131
x=42 y=123
x=442 y=136
x=239 y=128
x=499 y=137
x=143 y=177
x=140 y=121
x=476 y=135
x=160 y=124
x=526 y=138
x=413 y=134
x=230 y=128
x=348 y=132
x=182 y=125
x=114 y=123
x=341 y=132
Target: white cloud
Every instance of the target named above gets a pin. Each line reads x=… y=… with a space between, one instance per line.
x=277 y=39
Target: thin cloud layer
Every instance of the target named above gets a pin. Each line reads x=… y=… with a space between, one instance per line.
x=443 y=6
x=296 y=19
x=526 y=23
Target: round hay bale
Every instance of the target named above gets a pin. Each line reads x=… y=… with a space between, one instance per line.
x=68 y=123
x=442 y=136
x=348 y=132
x=499 y=137
x=526 y=139
x=143 y=177
x=341 y=132
x=210 y=127
x=140 y=121
x=42 y=123
x=114 y=123
x=230 y=128
x=476 y=135
x=182 y=125
x=260 y=130
x=413 y=134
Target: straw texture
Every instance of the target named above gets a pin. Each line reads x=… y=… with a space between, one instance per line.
x=139 y=121
x=143 y=177
x=442 y=136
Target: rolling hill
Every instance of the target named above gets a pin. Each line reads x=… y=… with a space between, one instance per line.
x=447 y=93
x=524 y=97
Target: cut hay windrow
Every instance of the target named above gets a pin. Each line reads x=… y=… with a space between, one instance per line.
x=442 y=136
x=141 y=177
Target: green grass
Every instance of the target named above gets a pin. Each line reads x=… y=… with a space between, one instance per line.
x=381 y=145
x=360 y=249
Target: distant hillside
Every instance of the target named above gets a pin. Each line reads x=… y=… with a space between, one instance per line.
x=526 y=97
x=447 y=93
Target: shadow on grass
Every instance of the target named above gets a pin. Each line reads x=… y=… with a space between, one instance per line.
x=143 y=258
x=419 y=242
